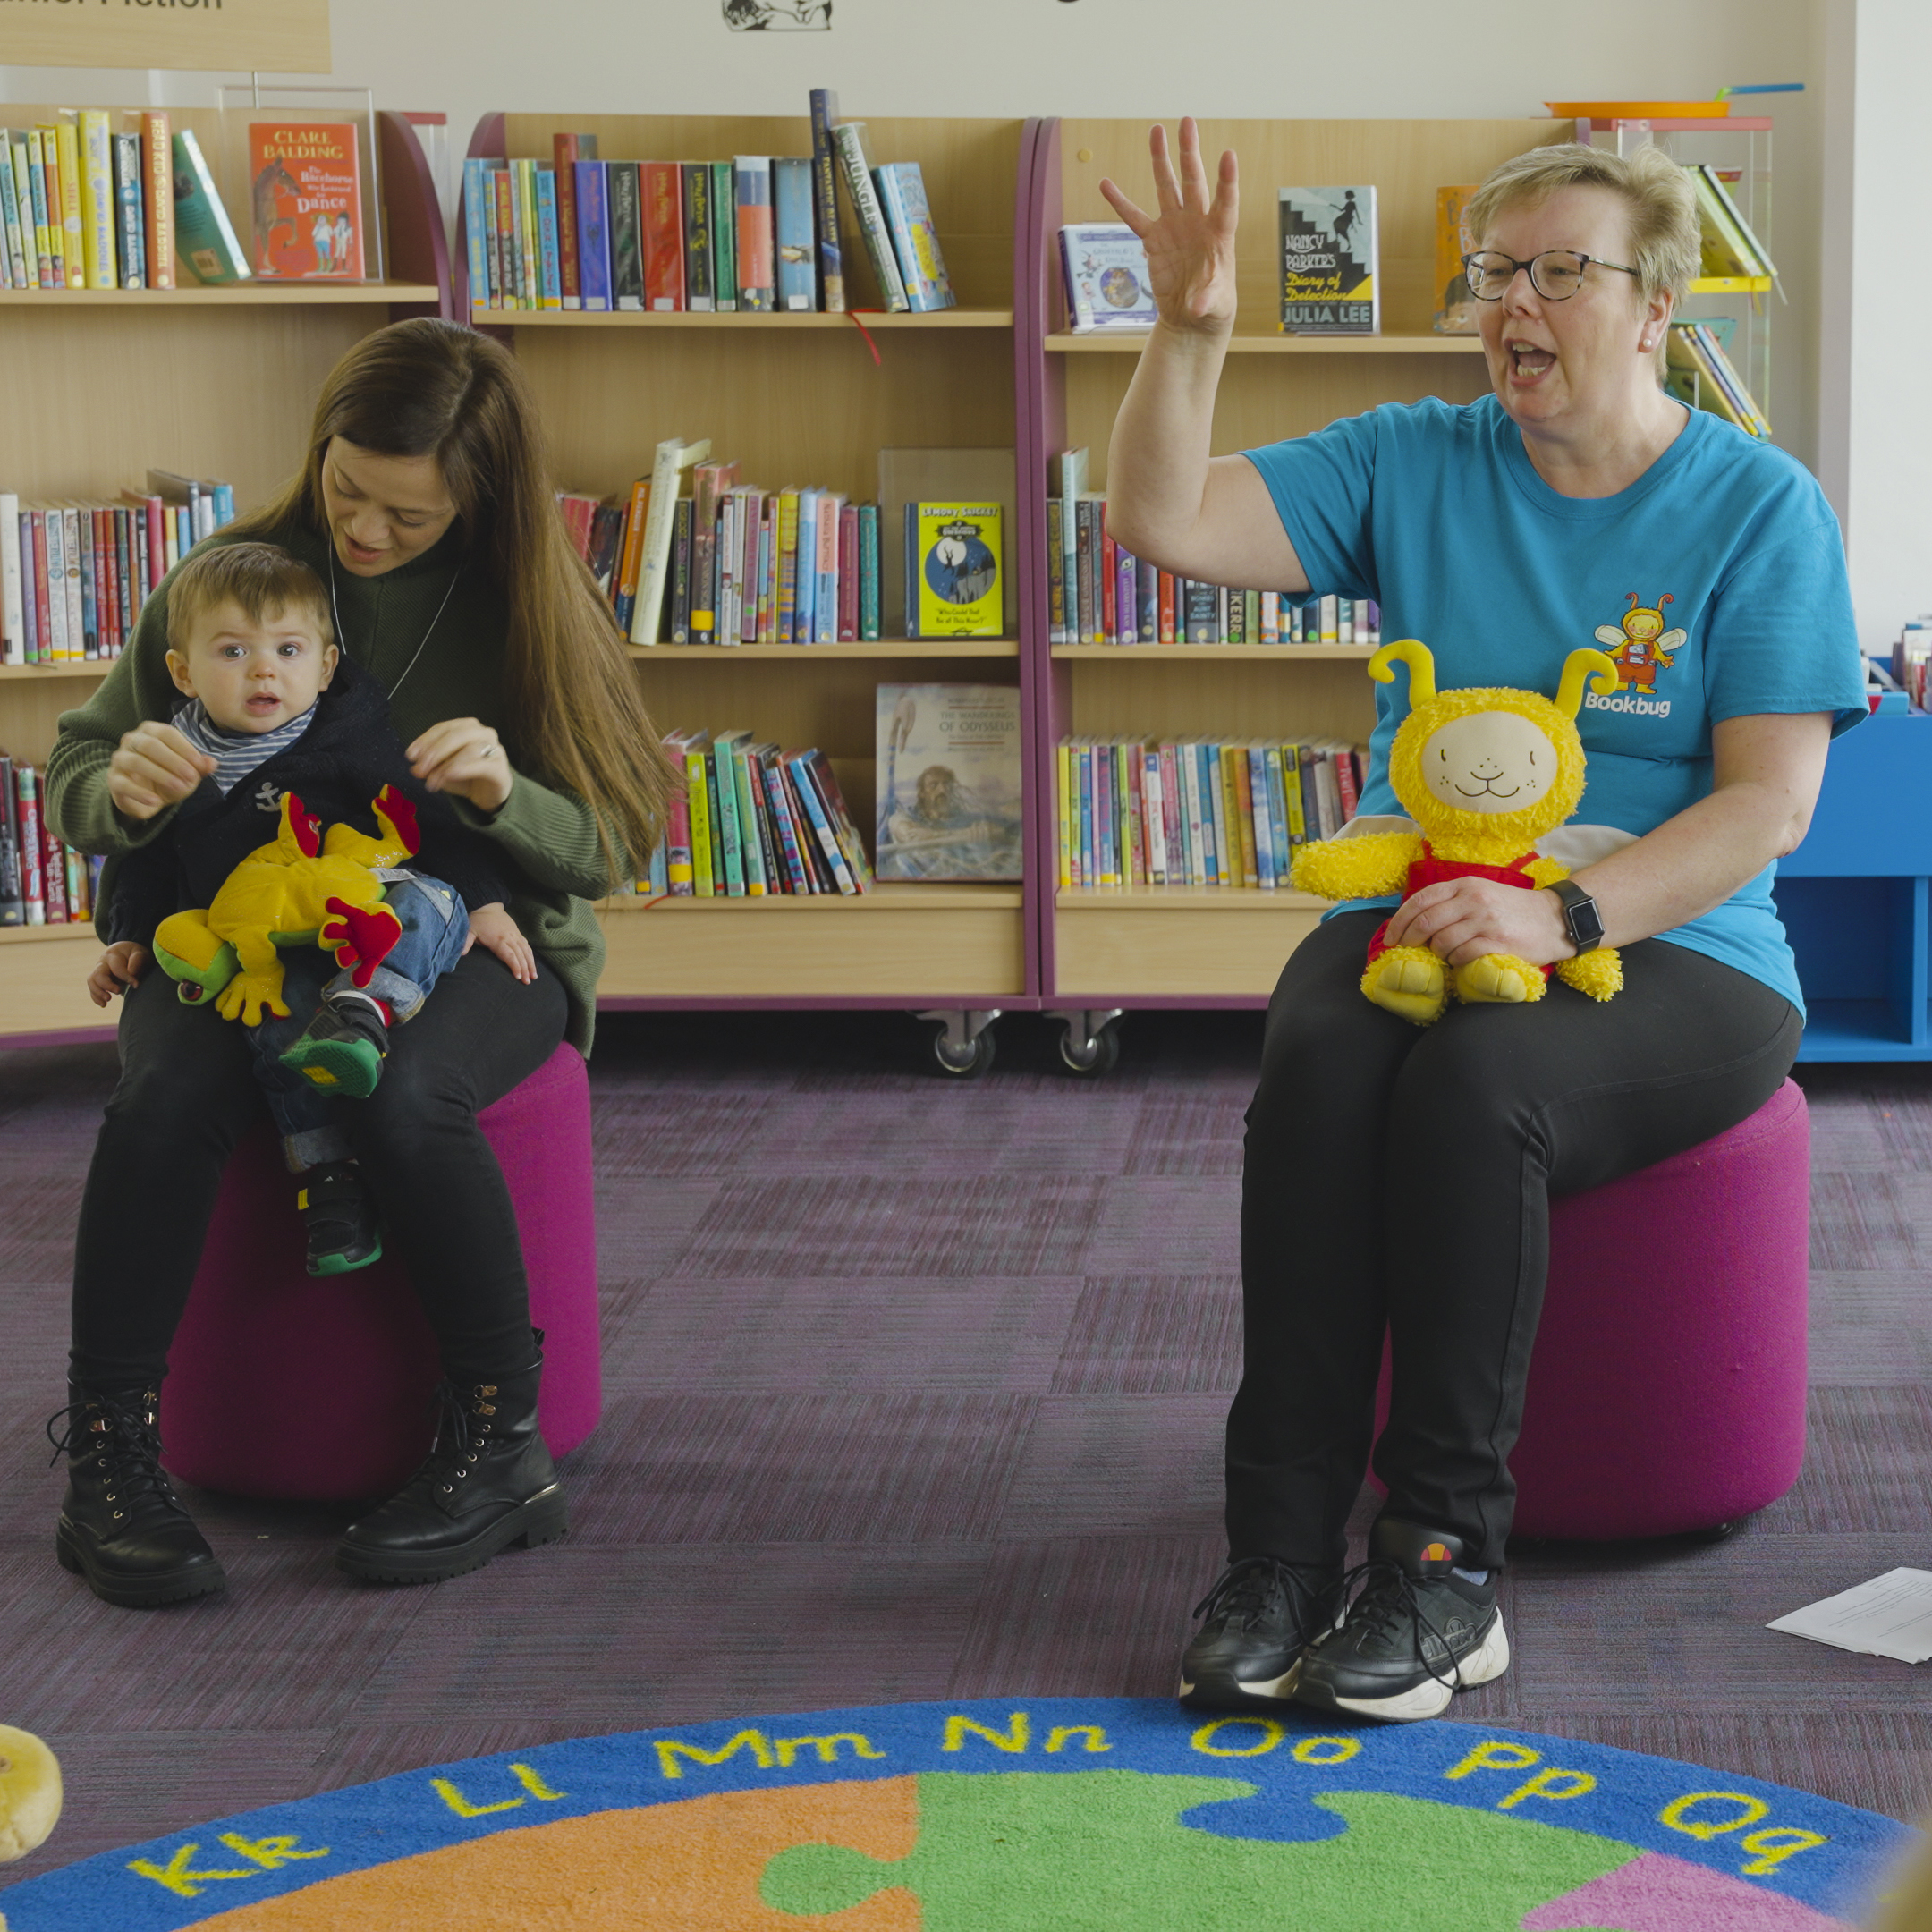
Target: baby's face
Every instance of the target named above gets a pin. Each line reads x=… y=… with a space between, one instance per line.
x=252 y=675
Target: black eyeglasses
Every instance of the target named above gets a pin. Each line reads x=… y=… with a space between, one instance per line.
x=1556 y=275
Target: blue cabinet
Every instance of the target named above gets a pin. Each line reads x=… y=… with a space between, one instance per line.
x=1856 y=898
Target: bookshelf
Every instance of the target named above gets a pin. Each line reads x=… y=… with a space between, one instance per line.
x=1103 y=951
x=98 y=386
x=799 y=399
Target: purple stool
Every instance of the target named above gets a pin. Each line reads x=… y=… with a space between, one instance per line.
x=281 y=1385
x=1667 y=1384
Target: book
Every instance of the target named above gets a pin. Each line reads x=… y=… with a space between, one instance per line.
x=158 y=196
x=825 y=199
x=725 y=237
x=306 y=187
x=1730 y=247
x=954 y=570
x=593 y=237
x=18 y=266
x=795 y=233
x=1327 y=260
x=130 y=241
x=661 y=211
x=629 y=257
x=673 y=456
x=1104 y=268
x=66 y=209
x=570 y=281
x=948 y=772
x=699 y=295
x=855 y=170
x=1457 y=313
x=844 y=830
x=47 y=211
x=205 y=236
x=99 y=216
x=757 y=284
x=915 y=240
x=549 y=240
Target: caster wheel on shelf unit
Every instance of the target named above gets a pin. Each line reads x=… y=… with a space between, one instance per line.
x=1094 y=1055
x=966 y=1060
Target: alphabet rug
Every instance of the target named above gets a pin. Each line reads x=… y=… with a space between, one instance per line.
x=1020 y=1815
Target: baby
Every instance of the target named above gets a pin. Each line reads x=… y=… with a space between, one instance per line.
x=272 y=707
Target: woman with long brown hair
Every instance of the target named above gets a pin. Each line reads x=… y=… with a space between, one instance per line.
x=425 y=504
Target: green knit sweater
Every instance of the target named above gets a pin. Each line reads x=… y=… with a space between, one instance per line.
x=547 y=835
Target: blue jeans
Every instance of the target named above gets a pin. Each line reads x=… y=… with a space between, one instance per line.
x=435 y=927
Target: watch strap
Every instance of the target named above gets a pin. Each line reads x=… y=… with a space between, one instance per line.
x=1581 y=919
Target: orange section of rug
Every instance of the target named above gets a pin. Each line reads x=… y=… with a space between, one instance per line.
x=690 y=1867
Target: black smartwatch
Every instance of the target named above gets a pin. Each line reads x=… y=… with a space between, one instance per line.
x=1581 y=919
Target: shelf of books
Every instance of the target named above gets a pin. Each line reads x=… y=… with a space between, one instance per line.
x=704 y=362
x=124 y=444
x=1190 y=734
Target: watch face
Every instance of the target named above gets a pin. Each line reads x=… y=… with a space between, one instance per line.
x=1585 y=922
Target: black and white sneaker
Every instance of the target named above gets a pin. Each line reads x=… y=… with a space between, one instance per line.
x=339 y=1211
x=1417 y=1632
x=1258 y=1618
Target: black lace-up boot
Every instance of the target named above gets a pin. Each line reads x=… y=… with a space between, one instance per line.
x=1257 y=1621
x=489 y=1483
x=1420 y=1630
x=121 y=1526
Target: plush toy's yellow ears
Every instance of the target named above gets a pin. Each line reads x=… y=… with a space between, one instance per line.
x=1414 y=653
x=1581 y=667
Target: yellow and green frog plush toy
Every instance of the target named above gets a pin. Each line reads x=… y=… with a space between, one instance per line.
x=305 y=887
x=1488 y=777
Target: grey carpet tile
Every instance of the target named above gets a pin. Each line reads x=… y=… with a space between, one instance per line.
x=359 y=1754
x=1119 y=1466
x=1188 y=1133
x=850 y=1224
x=901 y=1468
x=1618 y=1630
x=871 y=1332
x=287 y=1647
x=665 y=1136
x=1148 y=1334
x=1867 y=1468
x=1877 y=1760
x=1085 y=1616
x=1861 y=1222
x=123 y=1784
x=624 y=1639
x=644 y=1225
x=1166 y=1225
x=1872 y=1328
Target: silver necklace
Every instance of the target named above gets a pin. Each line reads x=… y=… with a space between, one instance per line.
x=335 y=610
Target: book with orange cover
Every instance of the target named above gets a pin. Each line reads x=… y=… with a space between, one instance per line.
x=158 y=180
x=305 y=183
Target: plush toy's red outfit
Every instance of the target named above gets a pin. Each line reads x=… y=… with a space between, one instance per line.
x=1430 y=870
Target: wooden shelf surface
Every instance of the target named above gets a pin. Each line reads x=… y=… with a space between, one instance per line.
x=1184 y=899
x=240 y=294
x=885 y=898
x=83 y=667
x=1130 y=341
x=1208 y=653
x=33 y=934
x=937 y=319
x=795 y=654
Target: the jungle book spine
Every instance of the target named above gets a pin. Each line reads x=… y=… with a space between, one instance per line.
x=825 y=199
x=855 y=168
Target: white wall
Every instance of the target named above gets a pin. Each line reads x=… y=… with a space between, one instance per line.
x=1875 y=403
x=1238 y=57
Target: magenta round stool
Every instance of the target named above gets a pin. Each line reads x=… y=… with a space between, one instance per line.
x=1667 y=1384
x=281 y=1385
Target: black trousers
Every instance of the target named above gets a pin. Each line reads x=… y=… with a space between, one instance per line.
x=1397 y=1182
x=187 y=1090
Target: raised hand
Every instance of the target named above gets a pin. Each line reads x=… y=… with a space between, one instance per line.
x=153 y=765
x=1190 y=243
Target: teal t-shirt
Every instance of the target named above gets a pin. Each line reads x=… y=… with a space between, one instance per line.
x=1716 y=580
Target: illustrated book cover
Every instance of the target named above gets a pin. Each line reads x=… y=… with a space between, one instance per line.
x=306 y=183
x=955 y=572
x=1455 y=314
x=948 y=780
x=1328 y=262
x=1107 y=277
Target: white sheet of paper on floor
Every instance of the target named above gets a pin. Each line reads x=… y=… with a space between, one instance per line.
x=1889 y=1616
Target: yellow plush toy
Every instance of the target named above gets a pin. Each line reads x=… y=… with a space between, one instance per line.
x=1484 y=774
x=29 y=1793
x=305 y=889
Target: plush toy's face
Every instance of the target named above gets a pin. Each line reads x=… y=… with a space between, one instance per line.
x=1489 y=762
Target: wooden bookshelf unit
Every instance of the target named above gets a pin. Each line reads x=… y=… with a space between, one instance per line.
x=97 y=387
x=797 y=399
x=1103 y=950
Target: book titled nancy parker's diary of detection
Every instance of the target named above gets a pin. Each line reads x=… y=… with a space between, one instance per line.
x=1328 y=262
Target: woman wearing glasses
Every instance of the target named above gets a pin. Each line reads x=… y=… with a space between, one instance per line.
x=1398 y=1176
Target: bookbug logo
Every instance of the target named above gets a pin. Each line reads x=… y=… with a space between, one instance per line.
x=778 y=16
x=1639 y=647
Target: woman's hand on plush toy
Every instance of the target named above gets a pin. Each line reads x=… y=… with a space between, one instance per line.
x=1462 y=920
x=153 y=766
x=118 y=970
